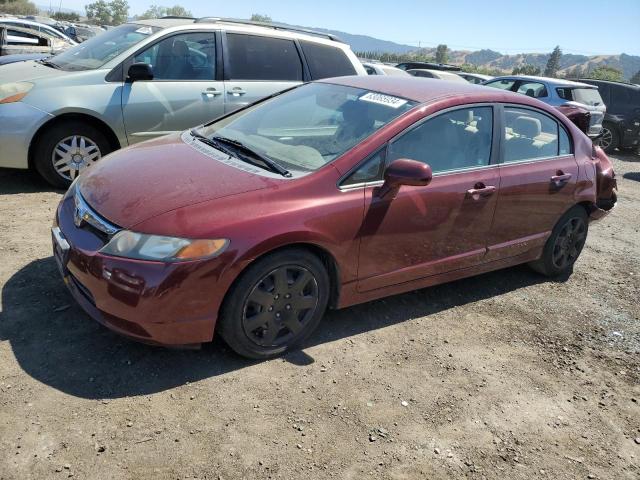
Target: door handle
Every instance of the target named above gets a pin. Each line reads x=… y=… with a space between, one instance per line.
x=480 y=190
x=211 y=92
x=560 y=178
x=236 y=92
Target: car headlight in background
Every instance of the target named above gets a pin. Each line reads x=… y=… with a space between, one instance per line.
x=14 y=92
x=160 y=248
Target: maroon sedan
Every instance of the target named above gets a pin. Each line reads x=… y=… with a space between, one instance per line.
x=331 y=194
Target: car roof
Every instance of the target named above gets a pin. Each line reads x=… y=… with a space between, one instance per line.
x=421 y=90
x=557 y=82
x=611 y=82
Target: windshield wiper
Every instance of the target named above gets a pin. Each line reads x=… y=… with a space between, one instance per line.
x=211 y=143
x=46 y=62
x=272 y=165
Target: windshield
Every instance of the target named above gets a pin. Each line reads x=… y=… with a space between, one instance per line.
x=588 y=96
x=310 y=126
x=97 y=51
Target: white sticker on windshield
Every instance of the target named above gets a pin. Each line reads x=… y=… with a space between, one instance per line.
x=388 y=100
x=145 y=30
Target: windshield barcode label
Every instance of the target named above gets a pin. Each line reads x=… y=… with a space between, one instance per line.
x=388 y=100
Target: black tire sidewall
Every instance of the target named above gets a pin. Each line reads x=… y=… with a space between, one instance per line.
x=546 y=261
x=52 y=136
x=230 y=321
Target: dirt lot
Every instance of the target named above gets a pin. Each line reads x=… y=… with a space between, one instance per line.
x=506 y=375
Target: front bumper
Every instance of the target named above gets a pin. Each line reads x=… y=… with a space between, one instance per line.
x=19 y=122
x=152 y=302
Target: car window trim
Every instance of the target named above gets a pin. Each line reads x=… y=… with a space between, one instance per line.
x=127 y=62
x=226 y=66
x=559 y=123
x=493 y=158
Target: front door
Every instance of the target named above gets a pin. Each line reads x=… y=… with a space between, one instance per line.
x=445 y=225
x=257 y=66
x=538 y=181
x=183 y=93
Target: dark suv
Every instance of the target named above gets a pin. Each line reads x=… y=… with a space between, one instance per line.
x=621 y=126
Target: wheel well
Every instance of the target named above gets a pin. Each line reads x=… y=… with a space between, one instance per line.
x=588 y=206
x=93 y=121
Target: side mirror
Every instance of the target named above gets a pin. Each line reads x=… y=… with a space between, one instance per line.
x=404 y=172
x=140 y=71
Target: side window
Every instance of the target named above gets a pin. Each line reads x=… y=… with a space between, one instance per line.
x=190 y=56
x=503 y=84
x=369 y=171
x=529 y=135
x=565 y=144
x=325 y=61
x=564 y=93
x=453 y=140
x=263 y=58
x=533 y=89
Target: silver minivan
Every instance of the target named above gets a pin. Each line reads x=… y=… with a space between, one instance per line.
x=150 y=78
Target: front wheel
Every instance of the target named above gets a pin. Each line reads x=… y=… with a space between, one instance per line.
x=565 y=244
x=275 y=304
x=66 y=149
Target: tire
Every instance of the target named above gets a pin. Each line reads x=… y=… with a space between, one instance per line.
x=262 y=316
x=89 y=146
x=564 y=245
x=610 y=139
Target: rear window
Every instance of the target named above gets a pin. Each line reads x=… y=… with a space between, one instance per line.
x=588 y=96
x=253 y=57
x=325 y=61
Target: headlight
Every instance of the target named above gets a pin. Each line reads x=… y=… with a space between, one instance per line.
x=14 y=92
x=167 y=249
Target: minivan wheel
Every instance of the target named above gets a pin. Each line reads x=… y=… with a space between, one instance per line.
x=564 y=245
x=66 y=149
x=275 y=304
x=610 y=139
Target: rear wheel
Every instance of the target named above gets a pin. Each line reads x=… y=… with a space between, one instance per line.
x=610 y=140
x=275 y=304
x=66 y=149
x=565 y=244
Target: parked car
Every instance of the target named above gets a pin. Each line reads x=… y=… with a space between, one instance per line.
x=382 y=69
x=146 y=79
x=18 y=40
x=440 y=75
x=81 y=33
x=36 y=26
x=557 y=92
x=475 y=78
x=428 y=66
x=331 y=194
x=621 y=127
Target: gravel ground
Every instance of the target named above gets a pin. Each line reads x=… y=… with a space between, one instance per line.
x=506 y=375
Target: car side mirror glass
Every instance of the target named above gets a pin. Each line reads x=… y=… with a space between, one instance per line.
x=140 y=71
x=404 y=172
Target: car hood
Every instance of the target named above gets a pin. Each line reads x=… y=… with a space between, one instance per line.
x=157 y=176
x=27 y=71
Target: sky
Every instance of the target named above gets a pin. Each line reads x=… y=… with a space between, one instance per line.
x=587 y=27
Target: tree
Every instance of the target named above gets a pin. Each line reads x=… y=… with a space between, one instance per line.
x=256 y=17
x=526 y=69
x=604 y=72
x=154 y=11
x=65 y=16
x=442 y=53
x=115 y=12
x=99 y=12
x=18 y=7
x=119 y=11
x=636 y=77
x=553 y=64
x=178 y=11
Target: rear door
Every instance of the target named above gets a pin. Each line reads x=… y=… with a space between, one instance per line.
x=538 y=176
x=440 y=227
x=187 y=88
x=257 y=66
